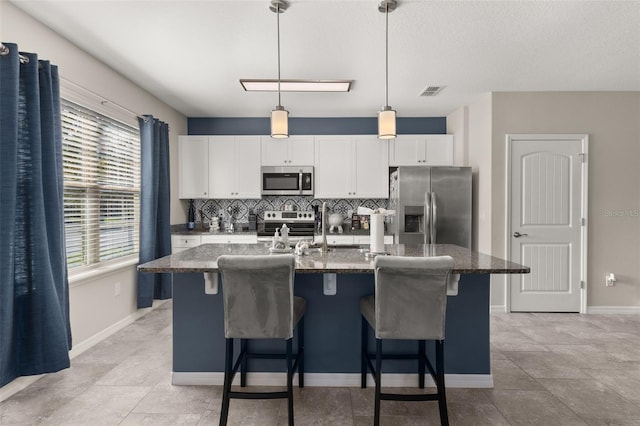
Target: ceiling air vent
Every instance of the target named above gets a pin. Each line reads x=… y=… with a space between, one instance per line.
x=431 y=90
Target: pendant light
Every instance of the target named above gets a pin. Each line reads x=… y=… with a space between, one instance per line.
x=279 y=116
x=387 y=116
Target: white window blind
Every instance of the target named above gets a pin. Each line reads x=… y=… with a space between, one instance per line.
x=101 y=186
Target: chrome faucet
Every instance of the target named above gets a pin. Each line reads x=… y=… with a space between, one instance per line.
x=324 y=248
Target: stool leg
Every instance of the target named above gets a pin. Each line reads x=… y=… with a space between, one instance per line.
x=364 y=352
x=442 y=398
x=301 y=353
x=243 y=363
x=421 y=363
x=228 y=366
x=290 y=381
x=376 y=414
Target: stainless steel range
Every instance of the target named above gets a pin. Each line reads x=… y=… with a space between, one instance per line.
x=300 y=224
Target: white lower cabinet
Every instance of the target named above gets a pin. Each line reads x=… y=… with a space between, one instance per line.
x=180 y=242
x=229 y=239
x=365 y=239
x=346 y=240
x=338 y=240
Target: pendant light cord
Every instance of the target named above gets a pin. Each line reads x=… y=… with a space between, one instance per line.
x=386 y=80
x=278 y=24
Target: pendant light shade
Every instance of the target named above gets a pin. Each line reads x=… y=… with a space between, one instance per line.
x=279 y=116
x=387 y=116
x=387 y=123
x=279 y=123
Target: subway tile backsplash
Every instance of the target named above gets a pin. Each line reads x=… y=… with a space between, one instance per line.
x=206 y=209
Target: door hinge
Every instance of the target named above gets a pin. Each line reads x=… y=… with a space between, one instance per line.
x=582 y=221
x=582 y=284
x=583 y=157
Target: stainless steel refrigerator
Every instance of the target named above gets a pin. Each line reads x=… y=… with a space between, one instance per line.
x=433 y=205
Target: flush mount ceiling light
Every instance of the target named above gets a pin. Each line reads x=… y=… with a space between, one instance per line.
x=266 y=85
x=279 y=116
x=387 y=116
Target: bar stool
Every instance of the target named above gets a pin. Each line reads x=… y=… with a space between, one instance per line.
x=259 y=304
x=410 y=304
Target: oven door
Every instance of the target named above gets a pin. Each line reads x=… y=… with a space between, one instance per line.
x=287 y=181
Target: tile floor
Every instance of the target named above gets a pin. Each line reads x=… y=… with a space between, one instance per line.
x=549 y=369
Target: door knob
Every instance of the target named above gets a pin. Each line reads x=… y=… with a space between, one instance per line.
x=518 y=235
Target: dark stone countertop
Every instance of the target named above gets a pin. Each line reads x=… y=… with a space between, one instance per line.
x=203 y=258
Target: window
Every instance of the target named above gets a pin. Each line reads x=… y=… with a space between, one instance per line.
x=101 y=186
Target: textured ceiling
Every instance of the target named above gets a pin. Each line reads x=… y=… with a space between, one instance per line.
x=191 y=54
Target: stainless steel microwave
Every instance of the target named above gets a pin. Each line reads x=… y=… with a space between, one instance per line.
x=287 y=180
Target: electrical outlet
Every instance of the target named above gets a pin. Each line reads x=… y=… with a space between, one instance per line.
x=610 y=280
x=117 y=289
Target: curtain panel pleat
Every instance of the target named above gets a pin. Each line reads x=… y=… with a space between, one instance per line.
x=35 y=332
x=155 y=223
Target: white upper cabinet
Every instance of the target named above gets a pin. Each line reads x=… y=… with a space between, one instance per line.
x=418 y=150
x=333 y=167
x=351 y=167
x=234 y=167
x=293 y=151
x=371 y=163
x=193 y=167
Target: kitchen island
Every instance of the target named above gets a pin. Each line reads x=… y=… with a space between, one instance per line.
x=332 y=321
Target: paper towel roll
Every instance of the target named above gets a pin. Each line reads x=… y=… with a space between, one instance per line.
x=376 y=229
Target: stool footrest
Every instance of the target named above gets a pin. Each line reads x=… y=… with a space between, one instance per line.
x=409 y=397
x=258 y=395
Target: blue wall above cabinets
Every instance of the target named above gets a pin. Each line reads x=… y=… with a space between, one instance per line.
x=314 y=126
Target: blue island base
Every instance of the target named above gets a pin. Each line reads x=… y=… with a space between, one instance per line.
x=332 y=334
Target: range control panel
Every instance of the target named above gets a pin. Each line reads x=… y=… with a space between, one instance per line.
x=288 y=216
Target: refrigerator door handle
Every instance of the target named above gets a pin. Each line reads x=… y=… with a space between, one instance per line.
x=427 y=218
x=434 y=218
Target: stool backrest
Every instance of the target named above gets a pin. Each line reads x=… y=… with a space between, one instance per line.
x=411 y=296
x=257 y=292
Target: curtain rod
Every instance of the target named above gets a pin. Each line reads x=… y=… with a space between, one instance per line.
x=105 y=101
x=4 y=51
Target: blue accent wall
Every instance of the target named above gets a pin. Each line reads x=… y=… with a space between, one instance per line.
x=314 y=126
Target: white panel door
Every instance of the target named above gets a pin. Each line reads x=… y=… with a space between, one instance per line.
x=546 y=234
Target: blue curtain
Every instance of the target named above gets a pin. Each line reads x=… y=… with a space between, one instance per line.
x=155 y=223
x=35 y=334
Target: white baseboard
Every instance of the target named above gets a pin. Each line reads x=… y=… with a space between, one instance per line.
x=21 y=383
x=113 y=329
x=626 y=310
x=331 y=379
x=498 y=309
x=15 y=386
